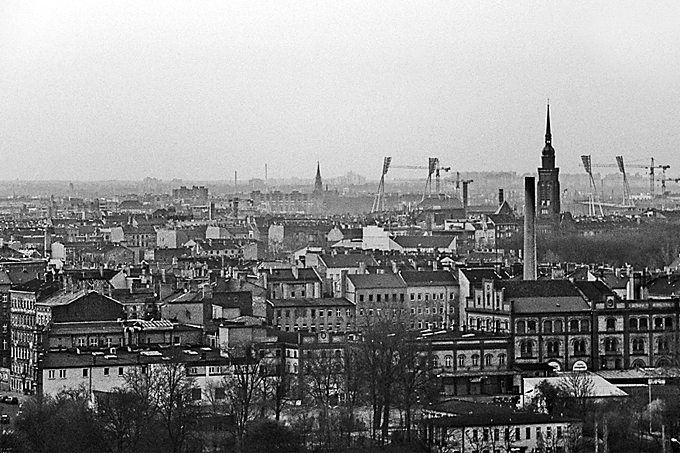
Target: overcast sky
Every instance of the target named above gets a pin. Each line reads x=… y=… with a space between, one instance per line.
x=96 y=90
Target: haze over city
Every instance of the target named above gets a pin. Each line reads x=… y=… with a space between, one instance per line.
x=198 y=90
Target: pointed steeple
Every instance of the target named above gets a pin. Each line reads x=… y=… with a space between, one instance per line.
x=548 y=154
x=548 y=135
x=318 y=183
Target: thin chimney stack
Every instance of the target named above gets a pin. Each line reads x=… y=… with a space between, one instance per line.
x=529 y=228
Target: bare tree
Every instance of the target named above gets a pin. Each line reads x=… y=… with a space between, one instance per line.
x=243 y=391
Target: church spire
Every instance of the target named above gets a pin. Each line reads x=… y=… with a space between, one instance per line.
x=318 y=183
x=548 y=135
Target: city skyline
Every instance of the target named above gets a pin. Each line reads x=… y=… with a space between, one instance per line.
x=197 y=92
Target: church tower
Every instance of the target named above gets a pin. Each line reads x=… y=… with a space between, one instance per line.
x=318 y=183
x=548 y=208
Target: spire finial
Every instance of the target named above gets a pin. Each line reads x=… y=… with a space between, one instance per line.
x=548 y=135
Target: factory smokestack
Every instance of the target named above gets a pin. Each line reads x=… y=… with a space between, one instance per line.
x=465 y=196
x=501 y=197
x=529 y=228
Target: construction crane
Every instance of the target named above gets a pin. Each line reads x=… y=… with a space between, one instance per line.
x=592 y=196
x=379 y=201
x=650 y=168
x=433 y=168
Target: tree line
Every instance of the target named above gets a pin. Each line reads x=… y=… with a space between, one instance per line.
x=357 y=398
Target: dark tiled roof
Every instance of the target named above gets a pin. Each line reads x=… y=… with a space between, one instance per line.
x=556 y=304
x=368 y=281
x=612 y=280
x=543 y=288
x=428 y=278
x=304 y=274
x=311 y=302
x=476 y=275
x=594 y=291
x=665 y=285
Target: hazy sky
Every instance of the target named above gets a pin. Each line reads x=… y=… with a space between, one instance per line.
x=196 y=90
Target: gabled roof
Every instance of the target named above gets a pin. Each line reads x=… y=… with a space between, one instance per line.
x=368 y=281
x=477 y=274
x=612 y=280
x=428 y=278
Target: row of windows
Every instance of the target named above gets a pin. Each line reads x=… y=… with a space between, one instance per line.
x=63 y=374
x=462 y=360
x=313 y=328
x=579 y=346
x=302 y=312
x=556 y=326
x=516 y=435
x=427 y=310
x=427 y=296
x=379 y=298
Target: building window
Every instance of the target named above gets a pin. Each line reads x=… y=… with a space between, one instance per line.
x=573 y=325
x=62 y=374
x=579 y=347
x=521 y=327
x=663 y=345
x=553 y=348
x=585 y=325
x=658 y=323
x=85 y=372
x=547 y=326
x=106 y=371
x=501 y=359
x=435 y=362
x=531 y=326
x=633 y=324
x=557 y=326
x=461 y=360
x=50 y=374
x=526 y=349
x=475 y=359
x=611 y=324
x=195 y=394
x=638 y=346
x=643 y=324
x=611 y=345
x=488 y=359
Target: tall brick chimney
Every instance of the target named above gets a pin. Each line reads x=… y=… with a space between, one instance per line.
x=529 y=228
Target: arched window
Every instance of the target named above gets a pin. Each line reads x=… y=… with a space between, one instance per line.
x=553 y=348
x=488 y=359
x=521 y=327
x=611 y=345
x=475 y=359
x=585 y=325
x=573 y=325
x=527 y=348
x=557 y=326
x=501 y=359
x=461 y=360
x=643 y=324
x=639 y=363
x=638 y=346
x=579 y=347
x=633 y=324
x=611 y=324
x=448 y=361
x=547 y=326
x=435 y=362
x=531 y=326
x=662 y=343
